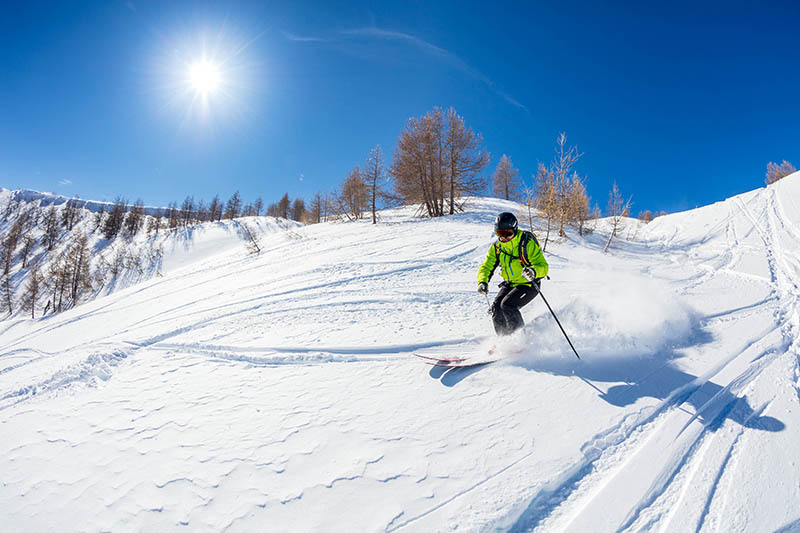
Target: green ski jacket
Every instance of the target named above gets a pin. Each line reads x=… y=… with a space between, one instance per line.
x=512 y=256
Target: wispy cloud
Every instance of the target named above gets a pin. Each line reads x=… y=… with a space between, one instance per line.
x=390 y=35
x=441 y=53
x=303 y=38
x=373 y=32
x=64 y=181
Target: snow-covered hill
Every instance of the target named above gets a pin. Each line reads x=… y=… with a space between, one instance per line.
x=279 y=391
x=111 y=263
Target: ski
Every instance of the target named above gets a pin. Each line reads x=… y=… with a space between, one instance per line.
x=466 y=363
x=460 y=362
x=441 y=359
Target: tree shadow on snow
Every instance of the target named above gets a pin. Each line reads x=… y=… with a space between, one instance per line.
x=657 y=376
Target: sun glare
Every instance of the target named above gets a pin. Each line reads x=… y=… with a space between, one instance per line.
x=205 y=77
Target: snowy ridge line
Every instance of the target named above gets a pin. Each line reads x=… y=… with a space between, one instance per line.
x=47 y=199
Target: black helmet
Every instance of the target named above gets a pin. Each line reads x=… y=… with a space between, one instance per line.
x=505 y=221
x=505 y=226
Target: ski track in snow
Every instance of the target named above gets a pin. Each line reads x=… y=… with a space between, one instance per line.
x=577 y=491
x=237 y=392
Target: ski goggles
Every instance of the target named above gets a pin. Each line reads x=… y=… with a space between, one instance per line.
x=505 y=234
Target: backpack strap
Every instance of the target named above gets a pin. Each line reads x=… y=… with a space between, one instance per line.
x=523 y=248
x=497 y=251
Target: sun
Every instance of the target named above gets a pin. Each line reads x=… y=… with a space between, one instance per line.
x=204 y=77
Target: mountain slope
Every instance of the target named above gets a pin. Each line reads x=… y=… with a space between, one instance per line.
x=237 y=391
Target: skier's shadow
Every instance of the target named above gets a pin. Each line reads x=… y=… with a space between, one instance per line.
x=656 y=376
x=450 y=377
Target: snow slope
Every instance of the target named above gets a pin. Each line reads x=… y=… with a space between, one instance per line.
x=279 y=392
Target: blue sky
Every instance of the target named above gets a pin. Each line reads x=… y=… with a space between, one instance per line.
x=683 y=104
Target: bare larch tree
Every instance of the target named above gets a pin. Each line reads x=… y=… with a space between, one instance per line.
x=505 y=183
x=618 y=208
x=374 y=176
x=234 y=206
x=777 y=172
x=33 y=289
x=437 y=161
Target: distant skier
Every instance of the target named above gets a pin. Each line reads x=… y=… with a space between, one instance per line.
x=522 y=265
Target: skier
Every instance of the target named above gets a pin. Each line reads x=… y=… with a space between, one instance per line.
x=522 y=265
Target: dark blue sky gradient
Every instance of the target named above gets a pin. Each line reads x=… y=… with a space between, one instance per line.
x=683 y=104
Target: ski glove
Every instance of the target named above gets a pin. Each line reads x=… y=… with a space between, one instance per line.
x=483 y=288
x=529 y=273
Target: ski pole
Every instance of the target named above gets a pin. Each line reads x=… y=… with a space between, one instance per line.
x=559 y=324
x=488 y=304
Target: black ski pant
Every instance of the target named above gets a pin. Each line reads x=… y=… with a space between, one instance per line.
x=505 y=309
